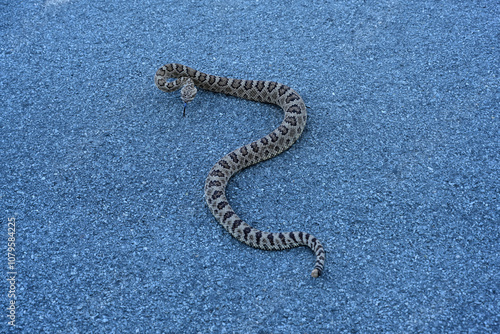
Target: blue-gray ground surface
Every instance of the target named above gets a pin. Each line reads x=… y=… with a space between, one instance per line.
x=397 y=172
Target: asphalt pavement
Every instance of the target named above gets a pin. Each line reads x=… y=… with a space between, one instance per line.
x=397 y=171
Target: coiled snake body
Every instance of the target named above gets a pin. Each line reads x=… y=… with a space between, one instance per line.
x=265 y=148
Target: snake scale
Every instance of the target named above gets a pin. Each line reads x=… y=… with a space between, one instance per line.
x=265 y=148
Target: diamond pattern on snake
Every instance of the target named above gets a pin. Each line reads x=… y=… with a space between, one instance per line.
x=267 y=147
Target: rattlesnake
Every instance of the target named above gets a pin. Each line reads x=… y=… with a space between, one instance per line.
x=265 y=148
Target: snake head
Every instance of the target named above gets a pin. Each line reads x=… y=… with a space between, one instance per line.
x=188 y=92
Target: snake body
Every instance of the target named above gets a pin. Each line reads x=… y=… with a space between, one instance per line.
x=265 y=148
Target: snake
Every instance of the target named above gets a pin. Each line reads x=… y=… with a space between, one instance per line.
x=172 y=77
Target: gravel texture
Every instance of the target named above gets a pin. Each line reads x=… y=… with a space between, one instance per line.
x=397 y=172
